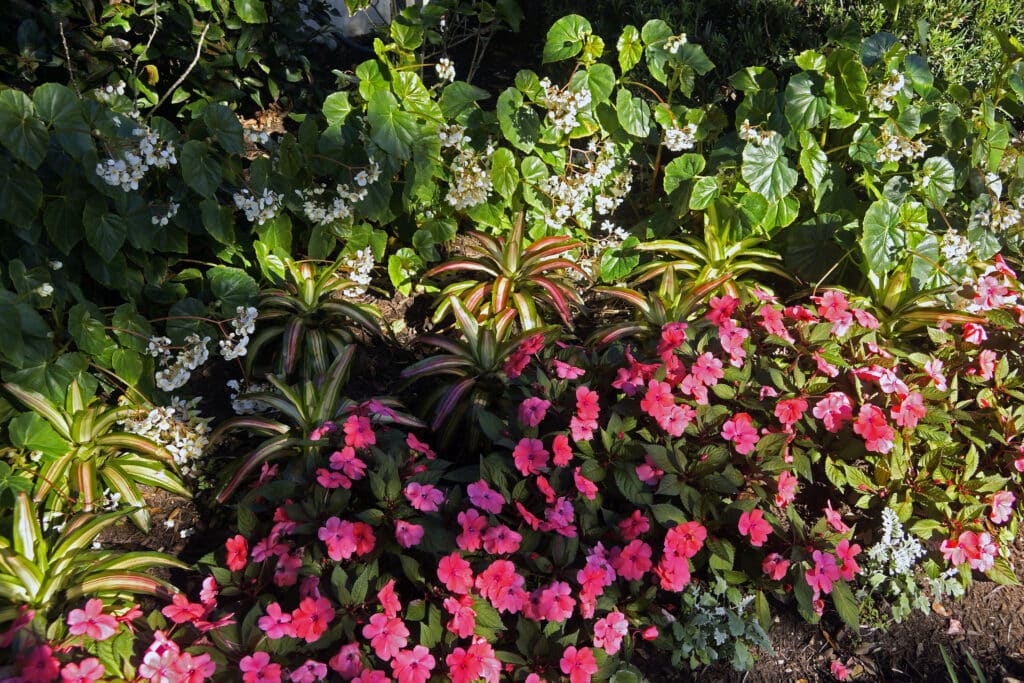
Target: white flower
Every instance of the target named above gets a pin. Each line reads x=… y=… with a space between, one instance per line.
x=259 y=209
x=44 y=290
x=445 y=69
x=678 y=139
x=673 y=43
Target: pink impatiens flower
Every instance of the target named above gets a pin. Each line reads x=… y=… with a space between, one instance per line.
x=609 y=632
x=565 y=371
x=974 y=333
x=408 y=534
x=413 y=666
x=1002 y=506
x=754 y=524
x=423 y=497
x=578 y=664
x=834 y=409
x=386 y=635
x=533 y=410
x=872 y=426
x=257 y=668
x=740 y=430
x=91 y=621
x=481 y=495
x=823 y=574
x=87 y=671
x=846 y=554
x=910 y=410
x=530 y=456
x=277 y=623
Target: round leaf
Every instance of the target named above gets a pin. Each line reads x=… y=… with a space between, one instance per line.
x=767 y=171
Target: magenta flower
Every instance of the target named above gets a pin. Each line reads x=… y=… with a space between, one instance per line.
x=91 y=621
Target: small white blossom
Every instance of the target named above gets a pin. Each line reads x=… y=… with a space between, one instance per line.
x=44 y=290
x=679 y=139
x=259 y=209
x=445 y=69
x=673 y=43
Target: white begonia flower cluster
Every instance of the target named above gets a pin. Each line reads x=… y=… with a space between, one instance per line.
x=759 y=135
x=896 y=552
x=1003 y=216
x=176 y=371
x=673 y=43
x=564 y=105
x=445 y=69
x=242 y=325
x=596 y=187
x=955 y=247
x=452 y=135
x=259 y=209
x=896 y=147
x=882 y=99
x=44 y=290
x=471 y=176
x=165 y=218
x=128 y=170
x=613 y=235
x=359 y=266
x=246 y=406
x=255 y=137
x=679 y=139
x=107 y=93
x=178 y=427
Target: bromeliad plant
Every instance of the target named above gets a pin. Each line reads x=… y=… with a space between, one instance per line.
x=511 y=275
x=87 y=462
x=309 y=320
x=43 y=567
x=487 y=355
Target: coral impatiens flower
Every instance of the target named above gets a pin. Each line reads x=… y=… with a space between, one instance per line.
x=91 y=621
x=311 y=618
x=846 y=554
x=775 y=567
x=256 y=668
x=359 y=432
x=753 y=524
x=386 y=635
x=181 y=611
x=87 y=671
x=455 y=573
x=787 y=489
x=871 y=425
x=413 y=666
x=238 y=553
x=578 y=664
x=388 y=599
x=740 y=430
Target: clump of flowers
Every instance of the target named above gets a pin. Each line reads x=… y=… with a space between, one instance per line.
x=759 y=135
x=893 y=148
x=471 y=176
x=235 y=344
x=259 y=209
x=445 y=69
x=246 y=406
x=679 y=139
x=177 y=369
x=564 y=105
x=598 y=181
x=129 y=169
x=882 y=98
x=178 y=427
x=359 y=266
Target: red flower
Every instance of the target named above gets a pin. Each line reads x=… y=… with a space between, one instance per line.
x=238 y=553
